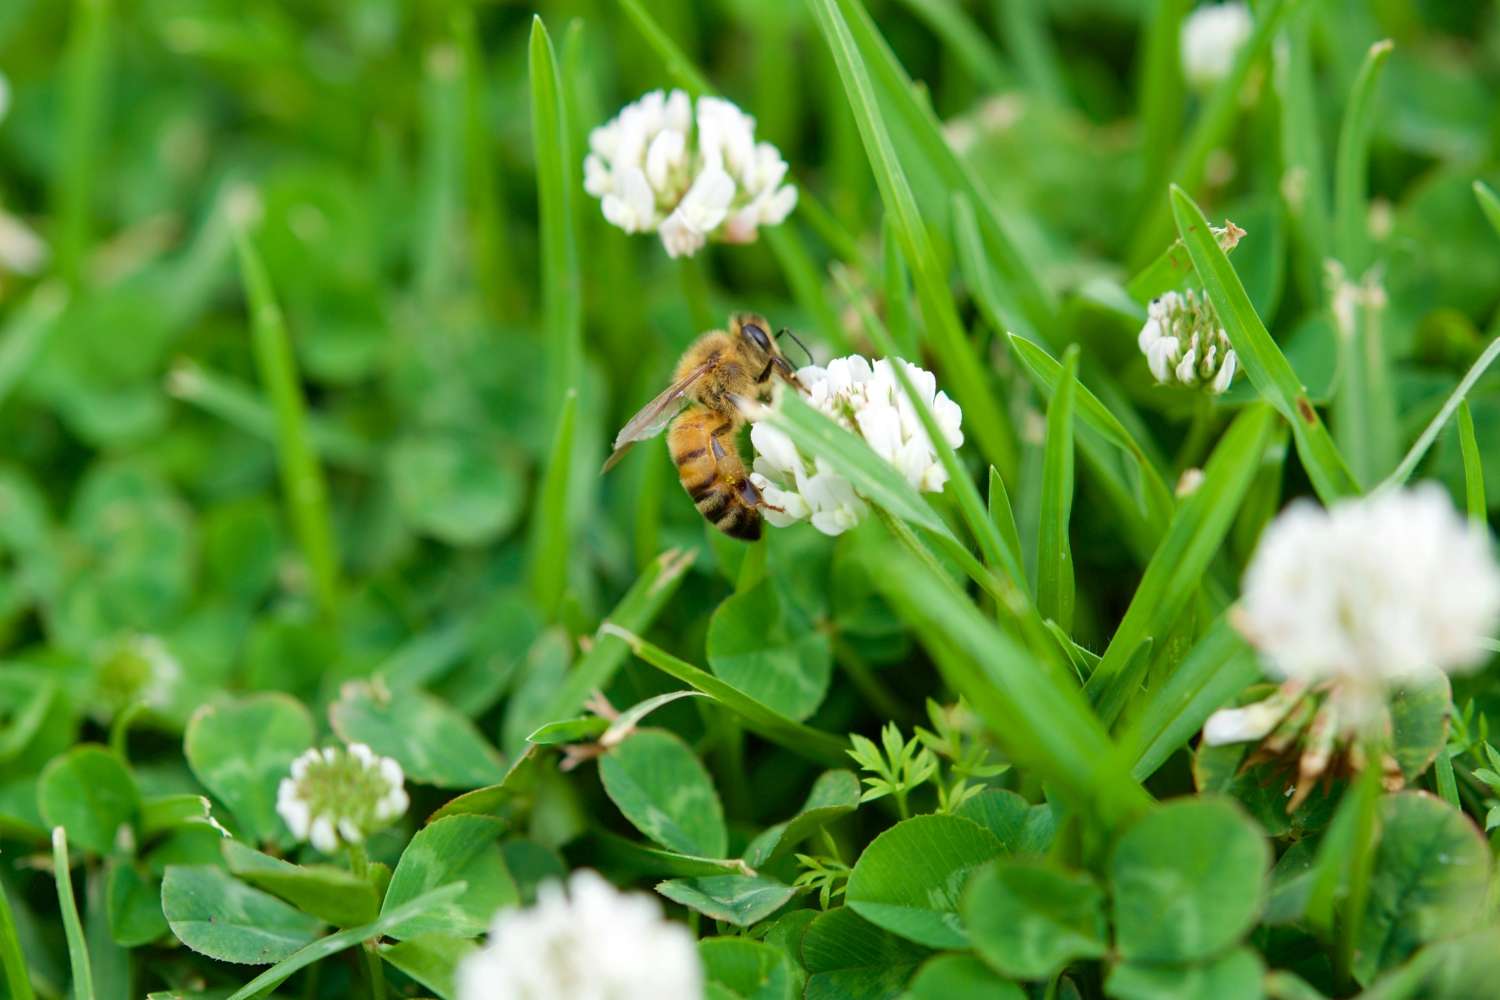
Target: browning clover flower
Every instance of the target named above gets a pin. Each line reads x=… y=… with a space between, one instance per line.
x=1211 y=38
x=1350 y=603
x=590 y=941
x=869 y=401
x=1184 y=343
x=657 y=170
x=338 y=796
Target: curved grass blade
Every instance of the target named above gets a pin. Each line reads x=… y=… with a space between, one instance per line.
x=1266 y=366
x=1434 y=427
x=335 y=943
x=1036 y=715
x=1003 y=516
x=1351 y=213
x=561 y=286
x=78 y=954
x=238 y=405
x=813 y=744
x=1054 y=573
x=1219 y=667
x=901 y=96
x=1046 y=372
x=27 y=332
x=12 y=960
x=635 y=612
x=970 y=506
x=1473 y=467
x=1210 y=129
x=1194 y=537
x=961 y=366
x=1489 y=202
x=1364 y=407
x=297 y=454
x=84 y=81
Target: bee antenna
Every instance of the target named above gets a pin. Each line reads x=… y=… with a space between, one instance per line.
x=799 y=343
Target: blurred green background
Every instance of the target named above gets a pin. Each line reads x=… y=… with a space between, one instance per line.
x=384 y=151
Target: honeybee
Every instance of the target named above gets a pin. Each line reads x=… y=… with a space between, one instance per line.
x=714 y=377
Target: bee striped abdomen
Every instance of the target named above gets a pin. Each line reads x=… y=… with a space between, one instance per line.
x=712 y=473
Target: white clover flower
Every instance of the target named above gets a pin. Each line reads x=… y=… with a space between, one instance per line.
x=1184 y=343
x=1349 y=606
x=1389 y=587
x=336 y=796
x=590 y=942
x=138 y=669
x=1211 y=38
x=869 y=401
x=657 y=169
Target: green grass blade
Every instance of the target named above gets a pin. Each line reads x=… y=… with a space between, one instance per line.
x=1364 y=408
x=1210 y=130
x=981 y=527
x=1440 y=420
x=1024 y=28
x=1054 y=564
x=26 y=333
x=550 y=539
x=1350 y=211
x=805 y=741
x=494 y=270
x=1162 y=96
x=1267 y=367
x=1003 y=516
x=238 y=405
x=873 y=478
x=86 y=65
x=964 y=39
x=996 y=300
x=678 y=66
x=645 y=599
x=1305 y=190
x=900 y=96
x=961 y=366
x=1046 y=372
x=897 y=292
x=1489 y=202
x=1193 y=539
x=562 y=300
x=1036 y=715
x=78 y=954
x=1219 y=667
x=332 y=944
x=301 y=473
x=12 y=960
x=1473 y=467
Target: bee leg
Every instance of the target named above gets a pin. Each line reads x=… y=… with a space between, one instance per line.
x=751 y=496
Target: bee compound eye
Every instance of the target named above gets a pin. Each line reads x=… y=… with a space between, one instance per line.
x=757 y=336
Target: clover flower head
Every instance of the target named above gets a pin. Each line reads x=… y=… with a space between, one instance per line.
x=1211 y=38
x=1349 y=606
x=138 y=669
x=1184 y=343
x=588 y=941
x=657 y=167
x=339 y=796
x=1389 y=588
x=868 y=400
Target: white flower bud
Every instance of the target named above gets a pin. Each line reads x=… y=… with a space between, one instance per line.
x=1211 y=37
x=1184 y=343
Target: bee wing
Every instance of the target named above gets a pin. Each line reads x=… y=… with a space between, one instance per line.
x=653 y=418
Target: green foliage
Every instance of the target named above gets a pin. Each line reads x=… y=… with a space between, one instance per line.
x=308 y=372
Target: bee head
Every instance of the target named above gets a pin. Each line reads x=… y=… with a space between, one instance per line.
x=755 y=332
